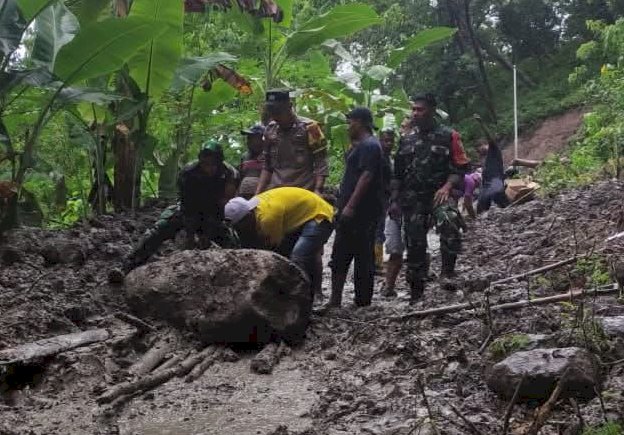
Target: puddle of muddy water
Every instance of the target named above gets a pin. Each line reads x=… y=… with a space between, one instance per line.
x=227 y=399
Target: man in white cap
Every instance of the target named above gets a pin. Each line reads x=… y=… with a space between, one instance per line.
x=292 y=221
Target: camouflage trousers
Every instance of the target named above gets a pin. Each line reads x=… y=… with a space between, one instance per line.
x=418 y=218
x=169 y=223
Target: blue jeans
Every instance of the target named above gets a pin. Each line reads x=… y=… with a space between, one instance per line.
x=303 y=246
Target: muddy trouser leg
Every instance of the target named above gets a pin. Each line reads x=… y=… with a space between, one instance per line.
x=415 y=225
x=165 y=228
x=310 y=242
x=448 y=222
x=364 y=263
x=498 y=193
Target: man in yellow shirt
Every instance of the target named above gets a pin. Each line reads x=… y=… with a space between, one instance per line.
x=292 y=221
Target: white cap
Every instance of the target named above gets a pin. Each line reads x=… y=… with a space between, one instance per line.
x=237 y=208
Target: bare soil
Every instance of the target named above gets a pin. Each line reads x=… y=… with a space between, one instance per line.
x=549 y=137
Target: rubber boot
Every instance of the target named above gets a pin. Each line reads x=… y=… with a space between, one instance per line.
x=448 y=265
x=417 y=288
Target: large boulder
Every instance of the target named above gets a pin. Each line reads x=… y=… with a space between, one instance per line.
x=612 y=326
x=544 y=368
x=232 y=296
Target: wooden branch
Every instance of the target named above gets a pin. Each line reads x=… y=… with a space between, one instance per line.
x=211 y=356
x=266 y=360
x=141 y=325
x=151 y=359
x=508 y=306
x=471 y=425
x=421 y=388
x=48 y=347
x=547 y=408
x=153 y=380
x=510 y=407
x=539 y=270
x=174 y=360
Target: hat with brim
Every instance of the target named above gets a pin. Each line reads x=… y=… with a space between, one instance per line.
x=237 y=208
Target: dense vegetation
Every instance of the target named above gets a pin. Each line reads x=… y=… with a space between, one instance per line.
x=96 y=94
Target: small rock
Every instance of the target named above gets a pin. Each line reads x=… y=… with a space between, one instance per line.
x=544 y=368
x=10 y=256
x=612 y=326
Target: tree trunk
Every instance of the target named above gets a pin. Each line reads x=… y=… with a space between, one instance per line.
x=493 y=53
x=487 y=89
x=127 y=167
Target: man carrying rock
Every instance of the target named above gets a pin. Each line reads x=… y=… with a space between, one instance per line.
x=294 y=222
x=252 y=163
x=429 y=162
x=360 y=204
x=204 y=188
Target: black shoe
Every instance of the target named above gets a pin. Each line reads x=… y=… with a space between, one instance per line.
x=116 y=276
x=417 y=288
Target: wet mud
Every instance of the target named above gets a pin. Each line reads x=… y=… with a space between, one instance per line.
x=359 y=371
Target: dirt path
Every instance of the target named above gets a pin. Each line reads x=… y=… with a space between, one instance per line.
x=551 y=136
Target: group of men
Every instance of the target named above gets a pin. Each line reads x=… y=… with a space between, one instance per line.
x=275 y=200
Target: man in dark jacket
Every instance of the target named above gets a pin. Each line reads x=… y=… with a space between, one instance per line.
x=204 y=188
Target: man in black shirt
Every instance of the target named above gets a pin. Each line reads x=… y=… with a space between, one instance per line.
x=360 y=203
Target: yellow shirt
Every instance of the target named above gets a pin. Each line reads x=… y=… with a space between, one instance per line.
x=284 y=210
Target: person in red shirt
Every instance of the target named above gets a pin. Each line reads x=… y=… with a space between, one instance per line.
x=252 y=162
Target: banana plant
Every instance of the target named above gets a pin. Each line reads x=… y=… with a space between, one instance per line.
x=63 y=57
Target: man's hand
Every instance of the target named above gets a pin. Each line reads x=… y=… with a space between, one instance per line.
x=394 y=211
x=442 y=195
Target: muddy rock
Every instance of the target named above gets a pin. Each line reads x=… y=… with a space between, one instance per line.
x=544 y=368
x=224 y=295
x=10 y=256
x=64 y=251
x=612 y=326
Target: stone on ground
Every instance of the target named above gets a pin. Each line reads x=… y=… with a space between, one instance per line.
x=612 y=326
x=544 y=368
x=224 y=296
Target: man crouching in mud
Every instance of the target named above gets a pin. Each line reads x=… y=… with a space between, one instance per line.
x=203 y=189
x=291 y=221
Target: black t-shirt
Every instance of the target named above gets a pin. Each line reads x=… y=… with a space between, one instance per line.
x=493 y=166
x=365 y=156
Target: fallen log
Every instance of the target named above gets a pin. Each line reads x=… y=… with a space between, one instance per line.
x=204 y=365
x=266 y=360
x=48 y=347
x=547 y=408
x=150 y=360
x=172 y=361
x=153 y=380
x=602 y=291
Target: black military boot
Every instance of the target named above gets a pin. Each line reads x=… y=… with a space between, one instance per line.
x=417 y=288
x=448 y=265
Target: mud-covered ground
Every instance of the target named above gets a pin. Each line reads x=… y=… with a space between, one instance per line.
x=357 y=371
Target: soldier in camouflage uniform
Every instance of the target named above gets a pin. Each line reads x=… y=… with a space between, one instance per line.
x=204 y=189
x=429 y=162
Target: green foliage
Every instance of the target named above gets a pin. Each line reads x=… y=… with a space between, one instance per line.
x=508 y=344
x=418 y=42
x=12 y=25
x=103 y=47
x=153 y=66
x=595 y=268
x=55 y=26
x=610 y=428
